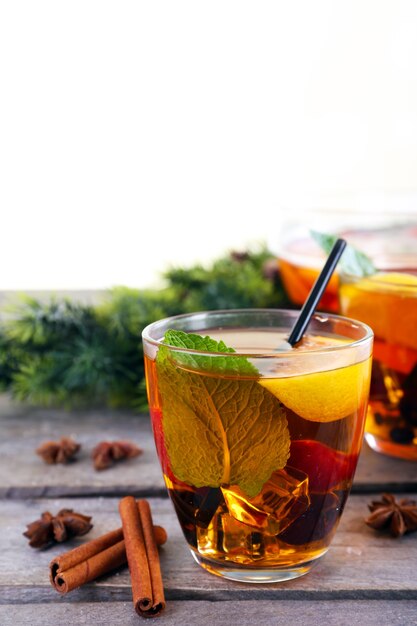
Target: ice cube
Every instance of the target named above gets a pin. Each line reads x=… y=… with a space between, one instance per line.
x=283 y=498
x=227 y=538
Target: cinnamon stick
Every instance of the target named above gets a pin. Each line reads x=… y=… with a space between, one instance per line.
x=153 y=556
x=92 y=559
x=142 y=557
x=90 y=569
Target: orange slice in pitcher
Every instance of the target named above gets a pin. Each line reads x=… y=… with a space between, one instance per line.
x=388 y=303
x=396 y=278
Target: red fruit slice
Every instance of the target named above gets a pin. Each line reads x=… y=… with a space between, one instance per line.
x=324 y=466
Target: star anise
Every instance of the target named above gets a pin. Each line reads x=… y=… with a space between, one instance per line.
x=51 y=529
x=106 y=453
x=399 y=517
x=60 y=451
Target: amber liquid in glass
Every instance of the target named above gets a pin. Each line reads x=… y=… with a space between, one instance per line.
x=391 y=311
x=293 y=518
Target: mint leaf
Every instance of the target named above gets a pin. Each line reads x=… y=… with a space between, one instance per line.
x=353 y=261
x=237 y=365
x=218 y=430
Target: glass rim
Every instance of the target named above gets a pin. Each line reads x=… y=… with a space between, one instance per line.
x=384 y=283
x=319 y=316
x=388 y=262
x=384 y=259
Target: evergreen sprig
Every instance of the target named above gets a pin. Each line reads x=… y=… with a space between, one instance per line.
x=67 y=354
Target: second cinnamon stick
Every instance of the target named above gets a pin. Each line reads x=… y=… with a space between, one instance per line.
x=142 y=557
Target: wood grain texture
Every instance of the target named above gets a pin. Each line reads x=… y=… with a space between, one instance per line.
x=361 y=563
x=23 y=474
x=245 y=613
x=378 y=472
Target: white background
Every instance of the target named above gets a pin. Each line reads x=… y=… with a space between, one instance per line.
x=138 y=135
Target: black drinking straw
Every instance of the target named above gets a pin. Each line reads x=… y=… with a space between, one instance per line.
x=316 y=293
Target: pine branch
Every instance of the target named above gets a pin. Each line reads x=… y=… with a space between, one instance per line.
x=68 y=354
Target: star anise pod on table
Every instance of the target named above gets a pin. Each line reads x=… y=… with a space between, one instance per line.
x=106 y=453
x=57 y=528
x=60 y=451
x=399 y=517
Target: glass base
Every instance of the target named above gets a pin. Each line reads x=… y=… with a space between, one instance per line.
x=243 y=574
x=399 y=451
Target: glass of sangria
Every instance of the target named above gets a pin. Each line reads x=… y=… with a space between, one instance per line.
x=387 y=302
x=258 y=446
x=375 y=233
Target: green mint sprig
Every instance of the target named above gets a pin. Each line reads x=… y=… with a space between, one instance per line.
x=217 y=429
x=216 y=364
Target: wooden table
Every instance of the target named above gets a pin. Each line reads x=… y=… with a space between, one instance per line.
x=366 y=578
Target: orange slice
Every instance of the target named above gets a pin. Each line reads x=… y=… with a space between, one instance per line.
x=323 y=396
x=395 y=278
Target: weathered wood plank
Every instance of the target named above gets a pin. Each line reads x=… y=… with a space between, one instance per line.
x=378 y=472
x=361 y=564
x=203 y=613
x=23 y=473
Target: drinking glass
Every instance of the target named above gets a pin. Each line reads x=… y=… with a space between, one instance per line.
x=258 y=446
x=388 y=303
x=388 y=237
